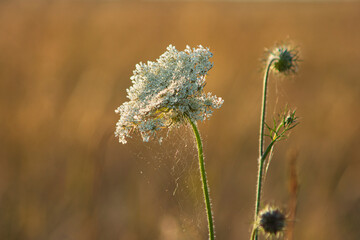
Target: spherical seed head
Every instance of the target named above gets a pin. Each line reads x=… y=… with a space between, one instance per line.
x=165 y=91
x=285 y=59
x=271 y=221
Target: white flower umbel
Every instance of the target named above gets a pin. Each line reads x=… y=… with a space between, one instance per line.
x=166 y=92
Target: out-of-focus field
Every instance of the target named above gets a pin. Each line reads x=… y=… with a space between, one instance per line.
x=64 y=68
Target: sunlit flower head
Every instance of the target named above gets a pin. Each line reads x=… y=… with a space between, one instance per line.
x=165 y=91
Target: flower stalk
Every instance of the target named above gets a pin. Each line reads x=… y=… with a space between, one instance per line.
x=262 y=156
x=205 y=186
x=263 y=107
x=282 y=59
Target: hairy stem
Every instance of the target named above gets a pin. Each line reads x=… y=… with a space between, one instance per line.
x=204 y=181
x=261 y=158
x=275 y=138
x=263 y=107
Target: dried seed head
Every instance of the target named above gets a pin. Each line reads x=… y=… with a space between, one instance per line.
x=285 y=59
x=271 y=221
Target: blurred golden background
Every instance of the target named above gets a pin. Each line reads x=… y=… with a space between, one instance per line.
x=64 y=68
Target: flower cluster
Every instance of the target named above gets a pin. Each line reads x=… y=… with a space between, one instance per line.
x=166 y=91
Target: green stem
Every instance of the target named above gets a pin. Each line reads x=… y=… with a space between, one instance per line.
x=270 y=149
x=263 y=107
x=204 y=180
x=253 y=233
x=261 y=159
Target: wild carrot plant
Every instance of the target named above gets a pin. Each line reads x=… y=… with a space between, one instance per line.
x=169 y=93
x=282 y=59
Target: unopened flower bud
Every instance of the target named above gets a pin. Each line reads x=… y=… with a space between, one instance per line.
x=285 y=59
